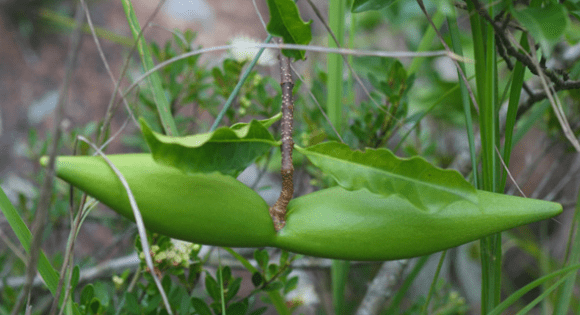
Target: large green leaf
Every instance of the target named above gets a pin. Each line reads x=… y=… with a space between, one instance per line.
x=423 y=185
x=285 y=22
x=228 y=150
x=546 y=25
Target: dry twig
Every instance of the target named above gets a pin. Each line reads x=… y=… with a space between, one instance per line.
x=278 y=210
x=46 y=191
x=382 y=287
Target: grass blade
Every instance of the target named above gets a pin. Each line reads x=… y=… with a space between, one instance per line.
x=516 y=90
x=402 y=292
x=456 y=46
x=565 y=294
x=163 y=107
x=521 y=292
x=48 y=273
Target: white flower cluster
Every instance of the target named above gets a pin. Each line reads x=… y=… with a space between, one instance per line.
x=178 y=254
x=244 y=48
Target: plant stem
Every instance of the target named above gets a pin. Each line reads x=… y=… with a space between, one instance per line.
x=486 y=80
x=278 y=210
x=434 y=283
x=339 y=269
x=456 y=45
x=334 y=63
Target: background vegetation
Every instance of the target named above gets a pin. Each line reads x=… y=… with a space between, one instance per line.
x=413 y=105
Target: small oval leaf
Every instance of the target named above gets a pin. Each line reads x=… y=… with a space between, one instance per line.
x=423 y=185
x=257 y=279
x=200 y=306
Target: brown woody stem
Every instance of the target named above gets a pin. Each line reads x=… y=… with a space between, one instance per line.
x=278 y=210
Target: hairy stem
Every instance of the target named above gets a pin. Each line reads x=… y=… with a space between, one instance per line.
x=278 y=210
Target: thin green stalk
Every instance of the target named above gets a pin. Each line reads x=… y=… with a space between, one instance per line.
x=238 y=86
x=500 y=309
x=486 y=81
x=434 y=282
x=161 y=102
x=221 y=280
x=402 y=292
x=514 y=100
x=456 y=46
x=544 y=263
x=351 y=34
x=334 y=62
x=339 y=275
x=565 y=293
x=488 y=111
x=493 y=142
x=545 y=293
x=336 y=13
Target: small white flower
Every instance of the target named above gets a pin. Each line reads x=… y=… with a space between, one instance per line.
x=118 y=281
x=244 y=48
x=180 y=252
x=305 y=293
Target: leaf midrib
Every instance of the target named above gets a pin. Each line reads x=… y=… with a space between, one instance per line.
x=400 y=177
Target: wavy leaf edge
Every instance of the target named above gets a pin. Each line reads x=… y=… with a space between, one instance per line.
x=170 y=151
x=464 y=191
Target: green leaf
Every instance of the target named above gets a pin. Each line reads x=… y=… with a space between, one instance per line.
x=257 y=279
x=381 y=172
x=359 y=6
x=274 y=286
x=271 y=271
x=262 y=258
x=213 y=151
x=87 y=294
x=131 y=303
x=285 y=22
x=238 y=308
x=546 y=25
x=233 y=289
x=200 y=306
x=212 y=287
x=95 y=305
x=291 y=284
x=75 y=277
